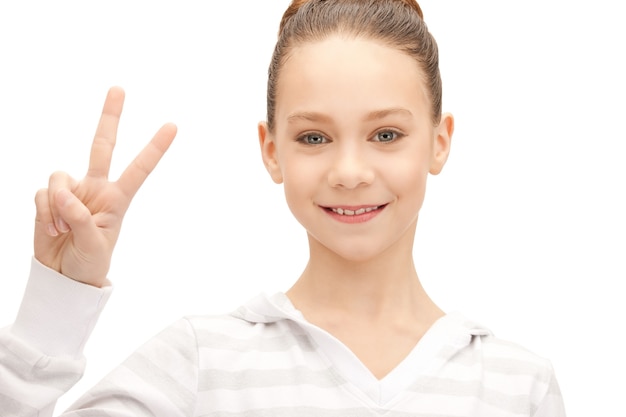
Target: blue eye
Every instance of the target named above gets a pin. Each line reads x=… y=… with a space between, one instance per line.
x=312 y=139
x=386 y=136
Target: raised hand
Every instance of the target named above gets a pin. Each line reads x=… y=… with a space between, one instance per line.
x=78 y=221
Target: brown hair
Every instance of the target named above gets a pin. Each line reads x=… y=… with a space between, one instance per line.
x=397 y=23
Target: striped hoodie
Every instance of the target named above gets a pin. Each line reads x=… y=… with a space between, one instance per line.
x=262 y=360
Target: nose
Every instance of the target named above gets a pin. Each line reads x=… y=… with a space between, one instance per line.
x=350 y=169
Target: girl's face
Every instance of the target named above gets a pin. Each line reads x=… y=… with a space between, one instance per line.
x=353 y=145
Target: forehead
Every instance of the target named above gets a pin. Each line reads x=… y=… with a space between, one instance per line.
x=339 y=74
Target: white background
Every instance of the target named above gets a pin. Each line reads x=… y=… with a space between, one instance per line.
x=524 y=230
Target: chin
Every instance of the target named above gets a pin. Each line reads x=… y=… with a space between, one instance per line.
x=356 y=254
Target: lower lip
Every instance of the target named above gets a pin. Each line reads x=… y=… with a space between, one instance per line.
x=357 y=218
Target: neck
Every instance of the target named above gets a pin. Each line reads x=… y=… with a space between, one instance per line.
x=383 y=287
x=376 y=307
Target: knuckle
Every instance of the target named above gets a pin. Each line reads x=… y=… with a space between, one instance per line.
x=58 y=178
x=41 y=195
x=57 y=174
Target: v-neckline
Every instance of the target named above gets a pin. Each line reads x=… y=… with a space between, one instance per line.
x=425 y=356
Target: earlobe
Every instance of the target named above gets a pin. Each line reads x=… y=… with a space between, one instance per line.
x=443 y=139
x=268 y=153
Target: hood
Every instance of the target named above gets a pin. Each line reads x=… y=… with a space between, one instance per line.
x=270 y=309
x=446 y=338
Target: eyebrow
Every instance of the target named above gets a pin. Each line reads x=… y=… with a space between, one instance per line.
x=375 y=115
x=395 y=111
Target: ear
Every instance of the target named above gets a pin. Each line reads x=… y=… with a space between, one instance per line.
x=268 y=153
x=443 y=138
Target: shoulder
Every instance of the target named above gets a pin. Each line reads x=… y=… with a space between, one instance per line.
x=261 y=323
x=506 y=363
x=505 y=374
x=498 y=355
x=512 y=369
x=235 y=333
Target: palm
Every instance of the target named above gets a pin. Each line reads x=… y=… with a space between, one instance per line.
x=92 y=208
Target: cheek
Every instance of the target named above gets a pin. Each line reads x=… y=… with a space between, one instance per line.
x=407 y=176
x=304 y=170
x=300 y=179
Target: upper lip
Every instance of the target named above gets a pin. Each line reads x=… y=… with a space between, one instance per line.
x=353 y=208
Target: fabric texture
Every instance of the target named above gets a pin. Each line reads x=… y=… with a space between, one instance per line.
x=265 y=359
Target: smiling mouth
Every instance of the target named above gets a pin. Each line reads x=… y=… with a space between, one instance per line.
x=357 y=212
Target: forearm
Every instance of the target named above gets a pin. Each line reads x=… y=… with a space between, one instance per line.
x=41 y=353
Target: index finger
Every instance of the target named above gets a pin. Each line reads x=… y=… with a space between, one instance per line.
x=106 y=133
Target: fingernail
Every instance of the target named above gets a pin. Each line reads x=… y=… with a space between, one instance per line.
x=52 y=231
x=62 y=226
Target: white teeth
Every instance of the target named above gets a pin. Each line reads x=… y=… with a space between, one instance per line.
x=346 y=212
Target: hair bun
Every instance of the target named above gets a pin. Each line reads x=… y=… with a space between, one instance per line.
x=290 y=12
x=413 y=4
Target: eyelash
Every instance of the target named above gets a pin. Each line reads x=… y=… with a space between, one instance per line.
x=396 y=135
x=303 y=138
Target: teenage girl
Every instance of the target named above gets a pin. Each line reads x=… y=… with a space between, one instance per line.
x=354 y=128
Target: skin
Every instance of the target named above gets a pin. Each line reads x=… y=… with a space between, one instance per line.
x=78 y=221
x=350 y=95
x=353 y=130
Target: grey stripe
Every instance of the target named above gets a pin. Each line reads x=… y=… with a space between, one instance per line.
x=159 y=379
x=109 y=392
x=91 y=413
x=475 y=389
x=10 y=407
x=180 y=338
x=280 y=343
x=318 y=412
x=516 y=367
x=505 y=366
x=253 y=378
x=554 y=388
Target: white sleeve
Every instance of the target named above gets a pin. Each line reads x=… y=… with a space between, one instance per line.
x=551 y=404
x=160 y=379
x=41 y=353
